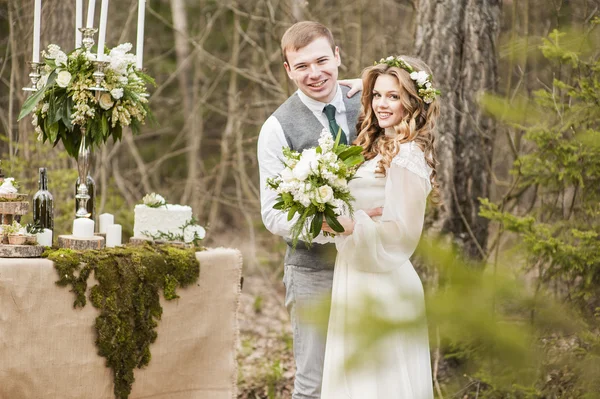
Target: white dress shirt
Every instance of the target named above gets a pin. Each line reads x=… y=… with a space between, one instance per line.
x=270 y=143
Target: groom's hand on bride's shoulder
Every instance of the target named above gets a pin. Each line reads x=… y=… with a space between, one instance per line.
x=355 y=85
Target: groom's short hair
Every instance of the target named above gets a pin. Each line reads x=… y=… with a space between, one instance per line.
x=301 y=34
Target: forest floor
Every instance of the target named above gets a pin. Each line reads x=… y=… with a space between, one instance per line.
x=265 y=360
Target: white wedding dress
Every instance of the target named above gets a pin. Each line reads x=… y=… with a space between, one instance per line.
x=374 y=261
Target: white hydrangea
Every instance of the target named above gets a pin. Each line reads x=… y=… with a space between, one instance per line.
x=326 y=141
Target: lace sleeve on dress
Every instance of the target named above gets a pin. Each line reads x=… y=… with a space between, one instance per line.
x=411 y=157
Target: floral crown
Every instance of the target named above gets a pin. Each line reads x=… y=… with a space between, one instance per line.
x=422 y=79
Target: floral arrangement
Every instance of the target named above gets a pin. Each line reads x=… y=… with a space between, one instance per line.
x=191 y=233
x=64 y=104
x=314 y=184
x=154 y=200
x=422 y=79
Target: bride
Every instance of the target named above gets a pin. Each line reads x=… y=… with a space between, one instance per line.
x=399 y=110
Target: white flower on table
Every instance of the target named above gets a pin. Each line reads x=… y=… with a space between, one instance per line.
x=7 y=186
x=63 y=78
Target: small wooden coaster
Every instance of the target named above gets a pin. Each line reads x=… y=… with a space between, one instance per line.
x=21 y=251
x=79 y=244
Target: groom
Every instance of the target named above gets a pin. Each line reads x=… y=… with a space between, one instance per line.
x=311 y=61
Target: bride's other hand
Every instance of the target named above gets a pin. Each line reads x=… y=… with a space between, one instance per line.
x=355 y=85
x=374 y=212
x=345 y=221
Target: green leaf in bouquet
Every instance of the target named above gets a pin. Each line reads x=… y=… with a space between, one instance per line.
x=337 y=139
x=287 y=197
x=66 y=115
x=292 y=212
x=350 y=151
x=31 y=103
x=51 y=129
x=280 y=205
x=316 y=224
x=354 y=160
x=332 y=220
x=104 y=127
x=117 y=132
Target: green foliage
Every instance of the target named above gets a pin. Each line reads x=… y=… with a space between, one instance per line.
x=559 y=235
x=127 y=296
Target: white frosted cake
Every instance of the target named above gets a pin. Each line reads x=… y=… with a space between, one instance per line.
x=166 y=218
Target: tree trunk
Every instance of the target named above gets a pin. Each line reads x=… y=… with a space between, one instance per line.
x=457 y=39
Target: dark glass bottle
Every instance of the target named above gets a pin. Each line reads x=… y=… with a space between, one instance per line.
x=91 y=204
x=43 y=203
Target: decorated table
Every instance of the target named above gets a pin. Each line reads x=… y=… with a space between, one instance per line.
x=47 y=347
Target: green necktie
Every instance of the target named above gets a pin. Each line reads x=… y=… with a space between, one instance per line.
x=329 y=111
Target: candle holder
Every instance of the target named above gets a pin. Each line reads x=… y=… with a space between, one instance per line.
x=83 y=167
x=34 y=75
x=88 y=37
x=99 y=76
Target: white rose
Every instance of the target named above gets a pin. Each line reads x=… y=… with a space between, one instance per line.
x=189 y=235
x=116 y=93
x=420 y=77
x=390 y=58
x=106 y=101
x=287 y=175
x=301 y=170
x=63 y=78
x=310 y=155
x=200 y=232
x=324 y=194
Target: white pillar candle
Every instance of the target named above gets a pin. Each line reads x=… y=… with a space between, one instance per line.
x=83 y=228
x=89 y=23
x=78 y=22
x=139 y=48
x=45 y=238
x=105 y=220
x=37 y=22
x=113 y=235
x=102 y=34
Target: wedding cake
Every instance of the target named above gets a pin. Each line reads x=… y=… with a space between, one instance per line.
x=165 y=218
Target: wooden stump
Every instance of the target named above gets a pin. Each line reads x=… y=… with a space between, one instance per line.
x=21 y=251
x=80 y=244
x=14 y=208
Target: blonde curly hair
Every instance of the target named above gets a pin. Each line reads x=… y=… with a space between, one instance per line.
x=417 y=125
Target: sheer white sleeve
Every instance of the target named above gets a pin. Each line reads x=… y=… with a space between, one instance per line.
x=382 y=245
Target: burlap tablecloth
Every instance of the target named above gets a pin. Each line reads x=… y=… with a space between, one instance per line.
x=47 y=348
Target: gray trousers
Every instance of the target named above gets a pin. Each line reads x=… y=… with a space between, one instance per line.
x=305 y=290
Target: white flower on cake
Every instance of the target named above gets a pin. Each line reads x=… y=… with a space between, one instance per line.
x=154 y=200
x=8 y=187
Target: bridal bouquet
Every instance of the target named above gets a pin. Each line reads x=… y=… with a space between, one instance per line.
x=314 y=185
x=64 y=104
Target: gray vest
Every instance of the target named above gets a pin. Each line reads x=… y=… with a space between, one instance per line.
x=302 y=130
